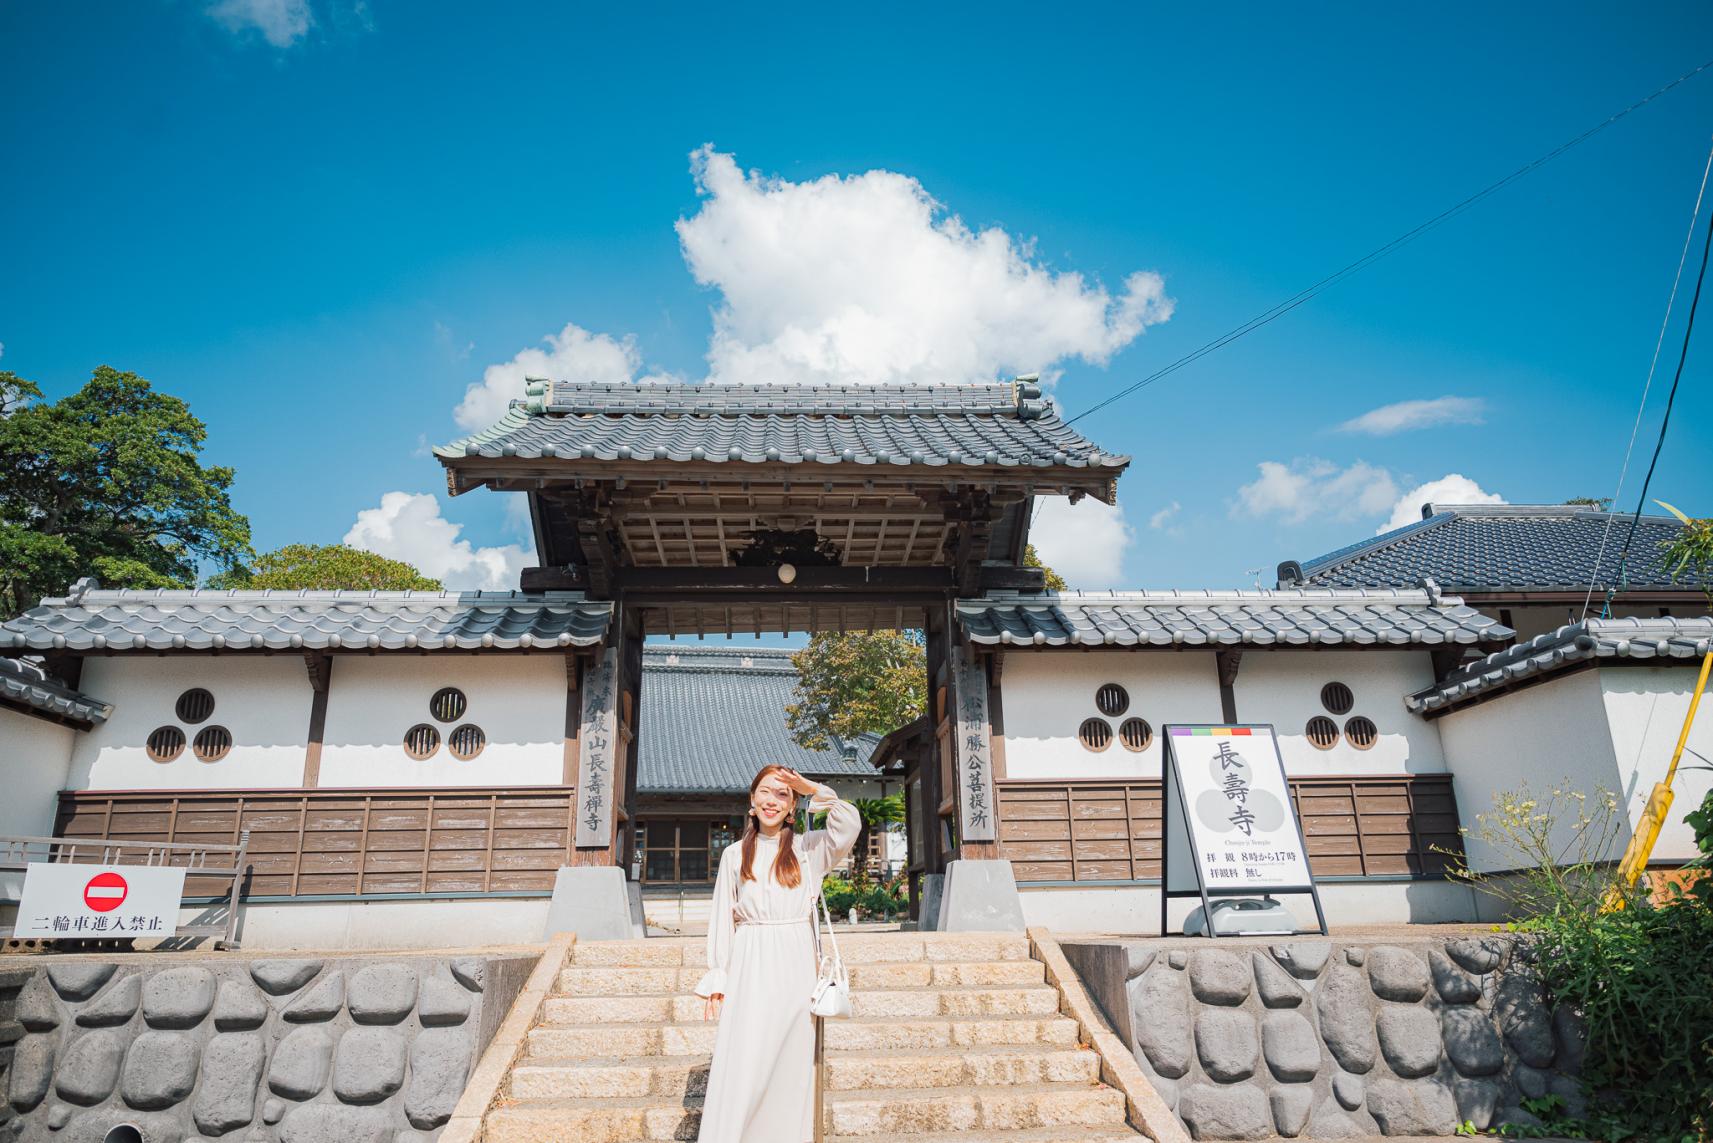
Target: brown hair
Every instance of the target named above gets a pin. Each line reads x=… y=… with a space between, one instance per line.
x=785 y=868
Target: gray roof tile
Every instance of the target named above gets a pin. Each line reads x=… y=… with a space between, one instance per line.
x=711 y=718
x=96 y=620
x=935 y=425
x=1652 y=640
x=24 y=683
x=1312 y=617
x=1498 y=547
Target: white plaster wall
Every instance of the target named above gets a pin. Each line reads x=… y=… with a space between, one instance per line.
x=1645 y=707
x=1046 y=695
x=1548 y=736
x=35 y=759
x=1134 y=910
x=517 y=700
x=262 y=699
x=1283 y=688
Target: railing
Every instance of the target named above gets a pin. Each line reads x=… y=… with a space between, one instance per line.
x=206 y=861
x=311 y=843
x=1394 y=826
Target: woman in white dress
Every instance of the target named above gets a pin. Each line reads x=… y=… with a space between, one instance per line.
x=762 y=967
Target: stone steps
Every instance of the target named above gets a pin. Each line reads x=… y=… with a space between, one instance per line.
x=956 y=1038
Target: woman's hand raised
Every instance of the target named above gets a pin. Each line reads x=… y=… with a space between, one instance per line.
x=798 y=783
x=711 y=1008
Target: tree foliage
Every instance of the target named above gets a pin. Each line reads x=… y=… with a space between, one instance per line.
x=1600 y=502
x=1055 y=581
x=325 y=567
x=107 y=482
x=854 y=683
x=1692 y=550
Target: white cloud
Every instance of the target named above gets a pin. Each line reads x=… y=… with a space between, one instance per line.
x=1452 y=488
x=447 y=343
x=281 y=22
x=409 y=527
x=1311 y=487
x=867 y=279
x=572 y=354
x=1404 y=416
x=1164 y=516
x=1084 y=542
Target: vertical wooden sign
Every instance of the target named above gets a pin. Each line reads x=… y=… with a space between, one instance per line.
x=972 y=748
x=598 y=746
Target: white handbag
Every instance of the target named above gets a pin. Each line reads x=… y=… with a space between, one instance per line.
x=832 y=995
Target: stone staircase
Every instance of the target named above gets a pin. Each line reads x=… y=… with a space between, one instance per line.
x=956 y=1038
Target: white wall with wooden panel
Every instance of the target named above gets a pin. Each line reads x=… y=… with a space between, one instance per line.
x=1284 y=688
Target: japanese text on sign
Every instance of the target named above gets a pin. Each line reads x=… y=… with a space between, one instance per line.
x=68 y=901
x=972 y=751
x=597 y=751
x=1242 y=826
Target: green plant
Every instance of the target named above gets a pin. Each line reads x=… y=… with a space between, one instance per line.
x=1467 y=1127
x=1691 y=550
x=839 y=894
x=1556 y=849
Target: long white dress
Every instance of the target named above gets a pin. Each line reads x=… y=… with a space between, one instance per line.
x=761 y=955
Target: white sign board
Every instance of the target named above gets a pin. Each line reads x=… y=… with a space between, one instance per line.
x=972 y=749
x=1242 y=832
x=70 y=902
x=597 y=751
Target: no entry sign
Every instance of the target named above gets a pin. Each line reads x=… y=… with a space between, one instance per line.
x=105 y=892
x=68 y=901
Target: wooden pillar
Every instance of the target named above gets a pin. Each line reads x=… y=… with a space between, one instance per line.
x=320 y=667
x=1227 y=663
x=630 y=713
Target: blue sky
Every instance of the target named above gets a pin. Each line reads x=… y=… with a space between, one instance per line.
x=320 y=223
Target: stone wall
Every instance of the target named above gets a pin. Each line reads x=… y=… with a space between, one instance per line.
x=347 y=1050
x=1331 y=1039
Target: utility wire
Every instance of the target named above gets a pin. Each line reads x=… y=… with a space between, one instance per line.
x=1297 y=299
x=1647 y=386
x=1665 y=422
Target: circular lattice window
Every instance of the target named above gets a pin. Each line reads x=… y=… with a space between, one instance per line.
x=1112 y=700
x=448 y=704
x=165 y=743
x=421 y=741
x=1361 y=732
x=1336 y=697
x=212 y=743
x=1322 y=732
x=194 y=706
x=1136 y=734
x=466 y=742
x=1095 y=734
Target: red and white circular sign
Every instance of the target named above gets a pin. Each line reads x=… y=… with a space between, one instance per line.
x=105 y=892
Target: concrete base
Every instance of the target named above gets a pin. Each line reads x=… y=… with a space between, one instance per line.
x=1136 y=908
x=595 y=902
x=928 y=910
x=980 y=896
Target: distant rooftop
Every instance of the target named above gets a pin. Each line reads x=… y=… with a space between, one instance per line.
x=712 y=717
x=26 y=685
x=1663 y=642
x=1479 y=548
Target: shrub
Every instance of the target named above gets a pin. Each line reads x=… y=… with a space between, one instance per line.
x=839 y=894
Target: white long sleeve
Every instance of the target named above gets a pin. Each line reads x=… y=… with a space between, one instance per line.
x=827 y=847
x=721 y=924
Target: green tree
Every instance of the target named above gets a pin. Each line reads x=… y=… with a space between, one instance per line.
x=1600 y=502
x=855 y=683
x=107 y=482
x=1692 y=550
x=325 y=567
x=876 y=813
x=1055 y=581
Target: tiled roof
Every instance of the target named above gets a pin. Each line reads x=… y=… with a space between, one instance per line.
x=1657 y=642
x=96 y=620
x=1311 y=617
x=935 y=425
x=711 y=718
x=1497 y=547
x=25 y=684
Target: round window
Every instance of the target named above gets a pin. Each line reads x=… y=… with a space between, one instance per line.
x=1336 y=697
x=1136 y=734
x=1095 y=734
x=466 y=742
x=194 y=706
x=212 y=743
x=165 y=743
x=421 y=741
x=448 y=704
x=1361 y=732
x=1323 y=732
x=1112 y=700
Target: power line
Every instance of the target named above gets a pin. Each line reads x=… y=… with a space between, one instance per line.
x=1297 y=299
x=1647 y=386
x=1665 y=422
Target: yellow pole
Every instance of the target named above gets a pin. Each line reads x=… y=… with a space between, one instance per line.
x=1641 y=845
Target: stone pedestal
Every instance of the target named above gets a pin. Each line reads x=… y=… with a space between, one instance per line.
x=980 y=896
x=596 y=903
x=928 y=910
